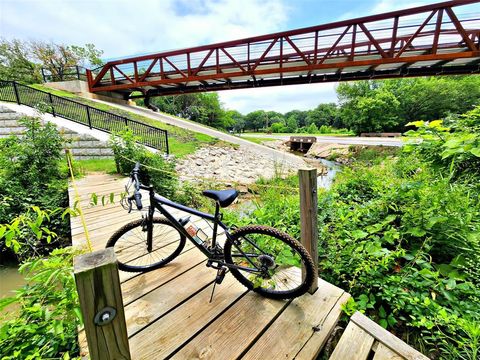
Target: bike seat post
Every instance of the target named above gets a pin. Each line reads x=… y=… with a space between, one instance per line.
x=215 y=224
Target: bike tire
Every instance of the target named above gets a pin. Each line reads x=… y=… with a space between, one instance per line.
x=130 y=245
x=272 y=244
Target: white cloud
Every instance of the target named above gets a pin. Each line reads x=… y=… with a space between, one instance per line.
x=280 y=98
x=123 y=27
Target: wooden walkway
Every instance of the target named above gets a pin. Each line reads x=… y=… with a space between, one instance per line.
x=168 y=312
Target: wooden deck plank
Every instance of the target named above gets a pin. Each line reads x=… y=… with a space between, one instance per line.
x=168 y=311
x=384 y=353
x=234 y=330
x=355 y=344
x=295 y=326
x=154 y=304
x=167 y=334
x=386 y=338
x=145 y=282
x=317 y=341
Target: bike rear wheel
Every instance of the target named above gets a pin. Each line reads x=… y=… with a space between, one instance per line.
x=269 y=262
x=130 y=245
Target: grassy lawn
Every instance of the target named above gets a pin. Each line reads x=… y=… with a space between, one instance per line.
x=96 y=165
x=295 y=134
x=257 y=140
x=181 y=141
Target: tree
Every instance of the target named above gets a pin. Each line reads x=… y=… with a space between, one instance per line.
x=255 y=120
x=375 y=113
x=300 y=117
x=323 y=114
x=57 y=58
x=22 y=61
x=16 y=63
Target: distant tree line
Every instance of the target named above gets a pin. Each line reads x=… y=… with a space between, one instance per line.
x=364 y=106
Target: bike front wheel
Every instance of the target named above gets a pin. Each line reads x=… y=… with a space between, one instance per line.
x=130 y=245
x=269 y=262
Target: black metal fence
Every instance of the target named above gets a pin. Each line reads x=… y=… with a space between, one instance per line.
x=75 y=111
x=68 y=73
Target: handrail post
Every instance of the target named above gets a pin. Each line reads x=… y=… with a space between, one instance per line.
x=51 y=102
x=98 y=287
x=15 y=90
x=166 y=142
x=309 y=217
x=88 y=117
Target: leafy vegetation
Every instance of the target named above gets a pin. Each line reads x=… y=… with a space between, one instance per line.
x=23 y=60
x=45 y=326
x=388 y=105
x=402 y=236
x=30 y=175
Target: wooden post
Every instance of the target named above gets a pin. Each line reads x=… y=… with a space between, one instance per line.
x=98 y=287
x=309 y=217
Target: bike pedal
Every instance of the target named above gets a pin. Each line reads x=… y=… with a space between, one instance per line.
x=220 y=275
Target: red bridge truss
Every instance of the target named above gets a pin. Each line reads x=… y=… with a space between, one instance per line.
x=437 y=39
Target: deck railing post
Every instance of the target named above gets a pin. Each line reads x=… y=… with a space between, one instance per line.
x=88 y=116
x=50 y=98
x=98 y=287
x=17 y=95
x=309 y=217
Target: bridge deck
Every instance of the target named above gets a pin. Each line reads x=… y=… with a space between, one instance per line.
x=168 y=312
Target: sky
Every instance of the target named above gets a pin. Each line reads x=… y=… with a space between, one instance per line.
x=123 y=28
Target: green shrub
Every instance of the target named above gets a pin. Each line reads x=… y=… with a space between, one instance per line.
x=156 y=170
x=31 y=175
x=45 y=326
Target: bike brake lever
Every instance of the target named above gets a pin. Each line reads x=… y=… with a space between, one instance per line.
x=129 y=206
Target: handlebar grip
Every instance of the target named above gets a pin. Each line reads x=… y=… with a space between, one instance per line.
x=138 y=200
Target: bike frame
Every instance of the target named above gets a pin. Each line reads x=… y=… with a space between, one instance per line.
x=159 y=202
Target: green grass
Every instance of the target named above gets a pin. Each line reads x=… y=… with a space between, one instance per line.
x=95 y=165
x=181 y=141
x=258 y=140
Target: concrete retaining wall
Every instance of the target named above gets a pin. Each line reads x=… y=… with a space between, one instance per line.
x=83 y=146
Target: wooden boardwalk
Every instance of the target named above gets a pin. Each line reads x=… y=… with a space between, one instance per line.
x=168 y=313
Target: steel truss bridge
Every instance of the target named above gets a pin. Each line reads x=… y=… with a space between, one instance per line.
x=437 y=39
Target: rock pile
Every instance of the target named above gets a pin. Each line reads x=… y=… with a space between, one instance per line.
x=231 y=165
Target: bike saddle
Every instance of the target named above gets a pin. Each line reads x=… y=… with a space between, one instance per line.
x=223 y=197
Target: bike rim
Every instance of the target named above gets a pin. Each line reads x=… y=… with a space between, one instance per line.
x=268 y=262
x=131 y=248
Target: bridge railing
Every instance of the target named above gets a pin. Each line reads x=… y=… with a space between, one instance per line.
x=380 y=43
x=67 y=73
x=94 y=118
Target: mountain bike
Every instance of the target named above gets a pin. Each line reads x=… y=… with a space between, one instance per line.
x=262 y=258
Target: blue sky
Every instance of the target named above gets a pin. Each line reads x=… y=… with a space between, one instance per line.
x=124 y=27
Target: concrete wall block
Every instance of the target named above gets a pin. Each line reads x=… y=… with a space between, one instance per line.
x=106 y=151
x=11 y=123
x=10 y=116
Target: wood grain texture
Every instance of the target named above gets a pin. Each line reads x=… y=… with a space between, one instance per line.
x=386 y=338
x=309 y=217
x=234 y=330
x=384 y=353
x=355 y=344
x=98 y=286
x=154 y=304
x=295 y=327
x=180 y=325
x=317 y=341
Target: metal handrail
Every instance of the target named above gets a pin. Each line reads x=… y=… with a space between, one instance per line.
x=12 y=91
